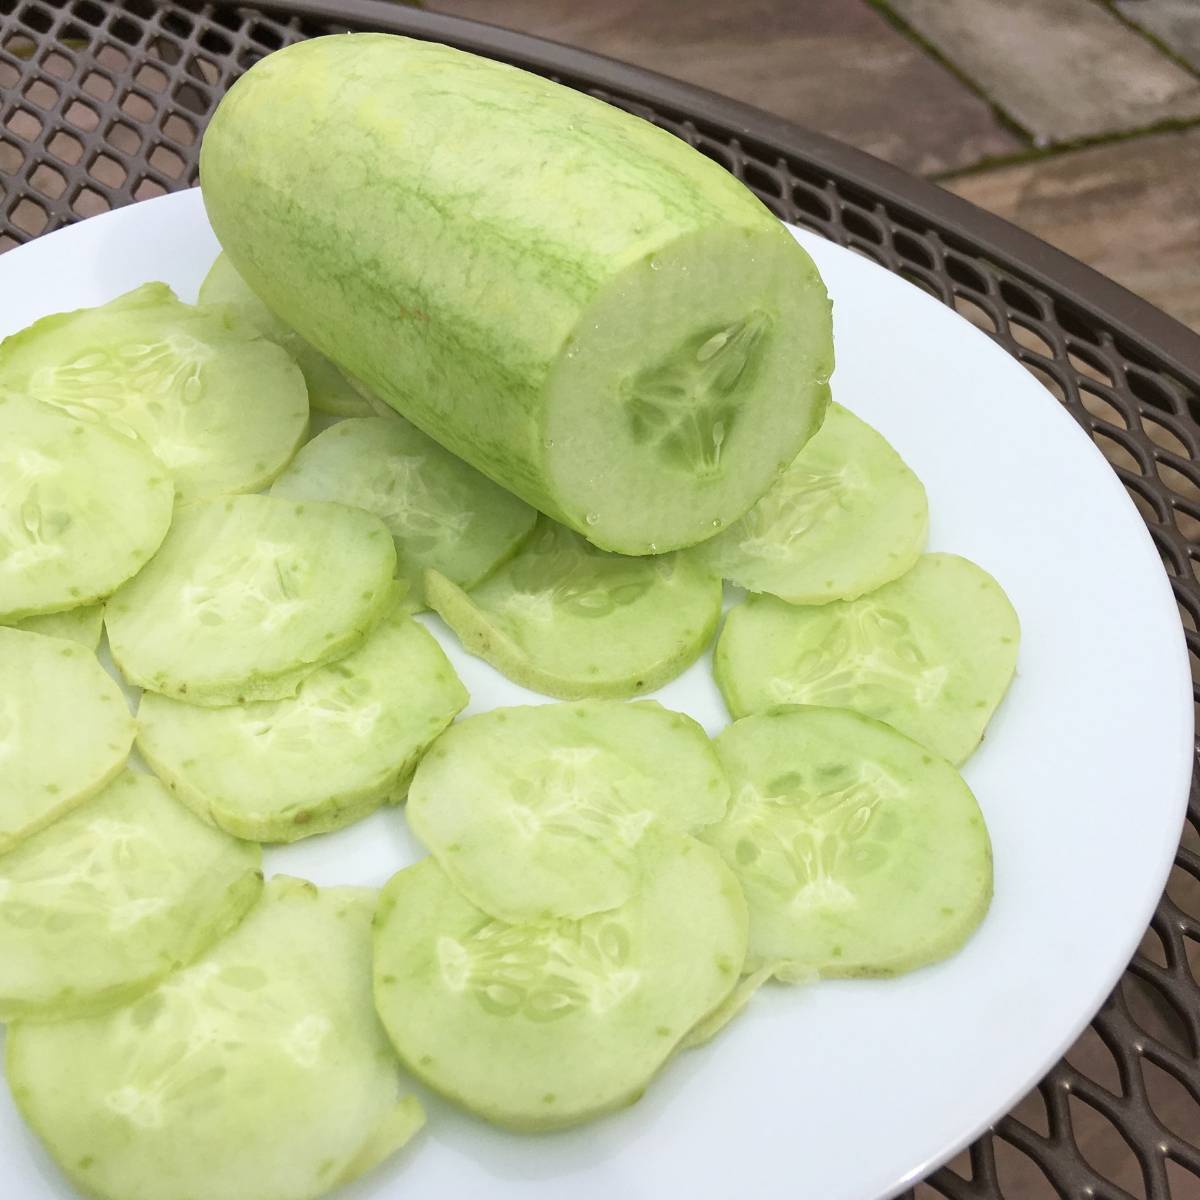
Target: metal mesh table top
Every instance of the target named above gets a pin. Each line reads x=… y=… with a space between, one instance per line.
x=103 y=102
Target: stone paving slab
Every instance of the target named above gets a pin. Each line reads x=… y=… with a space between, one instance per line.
x=1131 y=209
x=837 y=66
x=1176 y=23
x=1064 y=70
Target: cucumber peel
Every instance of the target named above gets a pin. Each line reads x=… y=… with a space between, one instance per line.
x=539 y=1026
x=860 y=852
x=931 y=653
x=260 y=1070
x=566 y=619
x=65 y=731
x=347 y=742
x=543 y=811
x=98 y=907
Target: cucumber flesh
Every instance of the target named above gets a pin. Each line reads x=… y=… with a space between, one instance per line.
x=328 y=389
x=732 y=1006
x=222 y=408
x=81 y=509
x=101 y=905
x=260 y=1070
x=82 y=625
x=441 y=512
x=845 y=518
x=931 y=653
x=65 y=731
x=566 y=619
x=542 y=811
x=607 y=323
x=348 y=741
x=538 y=1026
x=248 y=595
x=860 y=852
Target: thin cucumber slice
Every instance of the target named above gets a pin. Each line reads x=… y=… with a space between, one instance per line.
x=860 y=853
x=328 y=389
x=541 y=812
x=248 y=595
x=544 y=1025
x=346 y=743
x=732 y=1006
x=82 y=625
x=222 y=408
x=259 y=1071
x=100 y=906
x=442 y=513
x=845 y=518
x=932 y=654
x=65 y=731
x=575 y=622
x=82 y=509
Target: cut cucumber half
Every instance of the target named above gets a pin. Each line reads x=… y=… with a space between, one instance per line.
x=65 y=731
x=539 y=1026
x=931 y=653
x=222 y=408
x=541 y=811
x=347 y=742
x=82 y=509
x=248 y=595
x=82 y=625
x=845 y=518
x=860 y=853
x=442 y=513
x=574 y=622
x=97 y=908
x=259 y=1071
x=328 y=389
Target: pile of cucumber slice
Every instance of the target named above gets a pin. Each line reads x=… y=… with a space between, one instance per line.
x=605 y=884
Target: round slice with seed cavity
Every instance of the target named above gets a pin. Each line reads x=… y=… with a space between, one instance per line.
x=65 y=731
x=82 y=509
x=346 y=742
x=248 y=595
x=538 y=1026
x=260 y=1070
x=442 y=513
x=328 y=389
x=860 y=852
x=222 y=408
x=845 y=518
x=105 y=902
x=931 y=653
x=82 y=625
x=566 y=619
x=542 y=811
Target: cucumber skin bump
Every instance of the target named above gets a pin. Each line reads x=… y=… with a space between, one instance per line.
x=584 y=308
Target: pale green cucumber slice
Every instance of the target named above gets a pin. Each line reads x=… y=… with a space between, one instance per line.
x=541 y=811
x=82 y=509
x=566 y=619
x=259 y=1071
x=860 y=852
x=347 y=742
x=222 y=408
x=543 y=1025
x=732 y=1006
x=328 y=389
x=65 y=731
x=101 y=905
x=249 y=593
x=442 y=513
x=82 y=625
x=931 y=653
x=845 y=518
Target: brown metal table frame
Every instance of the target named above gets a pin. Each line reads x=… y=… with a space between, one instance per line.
x=104 y=102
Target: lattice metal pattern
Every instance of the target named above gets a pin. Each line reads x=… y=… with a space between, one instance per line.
x=105 y=103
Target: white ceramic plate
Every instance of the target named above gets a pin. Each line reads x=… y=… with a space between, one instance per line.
x=847 y=1090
